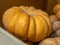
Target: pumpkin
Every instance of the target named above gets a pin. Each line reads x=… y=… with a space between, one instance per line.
x=51 y=41
x=53 y=18
x=58 y=32
x=58 y=15
x=27 y=23
x=56 y=25
x=57 y=10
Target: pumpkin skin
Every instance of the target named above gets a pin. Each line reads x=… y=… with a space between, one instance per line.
x=51 y=41
x=27 y=25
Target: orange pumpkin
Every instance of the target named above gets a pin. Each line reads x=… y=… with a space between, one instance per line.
x=27 y=23
x=58 y=15
x=57 y=10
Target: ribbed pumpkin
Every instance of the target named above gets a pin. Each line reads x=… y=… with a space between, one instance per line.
x=27 y=23
x=51 y=41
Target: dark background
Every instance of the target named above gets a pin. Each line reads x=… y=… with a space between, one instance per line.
x=41 y=4
x=5 y=4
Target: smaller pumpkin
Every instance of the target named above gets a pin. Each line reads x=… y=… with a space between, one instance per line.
x=56 y=25
x=58 y=15
x=57 y=40
x=58 y=32
x=55 y=22
x=51 y=41
x=53 y=18
x=56 y=8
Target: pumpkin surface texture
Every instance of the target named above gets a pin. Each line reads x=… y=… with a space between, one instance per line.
x=51 y=41
x=27 y=23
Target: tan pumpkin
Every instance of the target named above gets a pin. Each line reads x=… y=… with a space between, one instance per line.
x=56 y=26
x=27 y=23
x=58 y=32
x=55 y=22
x=53 y=18
x=51 y=41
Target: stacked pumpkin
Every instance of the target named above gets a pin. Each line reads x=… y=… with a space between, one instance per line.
x=27 y=23
x=55 y=19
